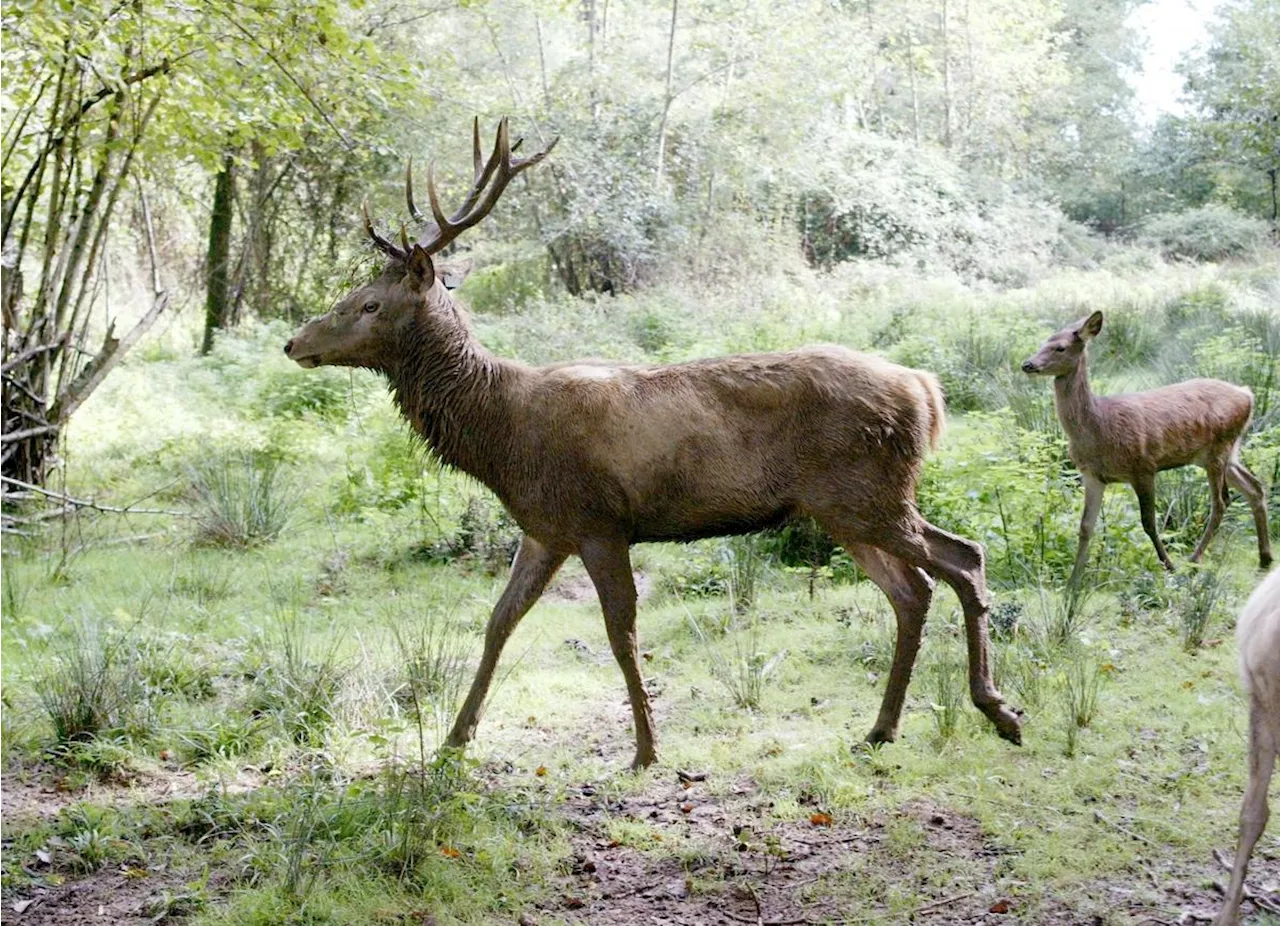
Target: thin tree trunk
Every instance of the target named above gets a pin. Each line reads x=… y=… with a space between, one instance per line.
x=1274 y=213
x=217 y=301
x=915 y=97
x=666 y=98
x=946 y=80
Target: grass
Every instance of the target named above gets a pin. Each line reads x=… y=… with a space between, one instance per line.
x=276 y=700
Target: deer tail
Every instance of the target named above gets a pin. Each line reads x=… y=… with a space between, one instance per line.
x=937 y=407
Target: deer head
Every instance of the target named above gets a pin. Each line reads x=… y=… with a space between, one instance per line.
x=1060 y=354
x=365 y=328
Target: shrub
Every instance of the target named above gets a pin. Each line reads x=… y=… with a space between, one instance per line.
x=294 y=393
x=1209 y=233
x=242 y=498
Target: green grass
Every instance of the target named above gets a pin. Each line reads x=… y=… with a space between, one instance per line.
x=290 y=692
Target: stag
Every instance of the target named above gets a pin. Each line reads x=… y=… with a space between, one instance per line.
x=1129 y=438
x=591 y=457
x=1258 y=633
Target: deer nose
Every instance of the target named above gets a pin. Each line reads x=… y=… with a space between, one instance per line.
x=288 y=347
x=1026 y=366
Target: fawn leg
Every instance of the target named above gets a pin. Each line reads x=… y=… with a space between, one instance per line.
x=1254 y=812
x=1093 y=491
x=1145 y=487
x=1217 y=505
x=1247 y=484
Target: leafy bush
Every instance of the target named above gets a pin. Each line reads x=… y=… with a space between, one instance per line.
x=1209 y=233
x=242 y=498
x=882 y=198
x=294 y=393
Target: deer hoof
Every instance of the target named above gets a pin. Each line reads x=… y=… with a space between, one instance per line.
x=878 y=737
x=1009 y=724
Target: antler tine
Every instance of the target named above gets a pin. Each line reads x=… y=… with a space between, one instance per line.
x=408 y=192
x=499 y=168
x=382 y=244
x=404 y=238
x=442 y=224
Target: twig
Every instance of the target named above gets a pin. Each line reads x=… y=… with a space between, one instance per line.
x=14 y=436
x=71 y=502
x=937 y=904
x=31 y=352
x=1097 y=815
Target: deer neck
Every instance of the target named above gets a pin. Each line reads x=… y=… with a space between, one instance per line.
x=1077 y=405
x=455 y=393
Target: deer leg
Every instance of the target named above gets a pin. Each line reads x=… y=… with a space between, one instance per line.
x=1247 y=484
x=909 y=590
x=609 y=565
x=532 y=570
x=1254 y=812
x=958 y=562
x=1093 y=491
x=1145 y=487
x=1217 y=505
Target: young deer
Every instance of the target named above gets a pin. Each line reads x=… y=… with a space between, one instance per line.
x=591 y=457
x=1258 y=634
x=1129 y=438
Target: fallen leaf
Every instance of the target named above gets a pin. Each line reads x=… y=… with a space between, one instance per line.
x=541 y=771
x=450 y=852
x=135 y=874
x=574 y=903
x=20 y=906
x=45 y=856
x=686 y=808
x=1000 y=906
x=820 y=819
x=164 y=755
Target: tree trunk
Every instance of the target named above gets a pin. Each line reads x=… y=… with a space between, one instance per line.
x=217 y=300
x=666 y=99
x=946 y=80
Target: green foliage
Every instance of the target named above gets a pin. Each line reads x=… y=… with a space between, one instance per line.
x=242 y=498
x=90 y=685
x=1207 y=233
x=295 y=682
x=297 y=392
x=1200 y=601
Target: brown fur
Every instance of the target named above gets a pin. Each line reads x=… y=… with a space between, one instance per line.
x=1131 y=437
x=590 y=457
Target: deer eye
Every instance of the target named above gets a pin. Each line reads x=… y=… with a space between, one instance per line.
x=1058 y=349
x=370 y=306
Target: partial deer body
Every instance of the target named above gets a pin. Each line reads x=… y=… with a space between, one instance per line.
x=1129 y=438
x=592 y=457
x=1258 y=635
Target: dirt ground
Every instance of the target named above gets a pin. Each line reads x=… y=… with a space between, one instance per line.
x=697 y=853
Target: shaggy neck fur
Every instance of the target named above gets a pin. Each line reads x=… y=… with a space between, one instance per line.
x=455 y=393
x=1077 y=406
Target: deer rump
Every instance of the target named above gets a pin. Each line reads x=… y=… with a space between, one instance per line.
x=727 y=446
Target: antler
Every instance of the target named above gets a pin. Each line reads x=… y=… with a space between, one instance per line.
x=500 y=167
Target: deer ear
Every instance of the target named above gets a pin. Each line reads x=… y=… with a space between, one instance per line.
x=1090 y=327
x=418 y=268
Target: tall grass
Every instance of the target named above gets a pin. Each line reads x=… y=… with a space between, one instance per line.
x=89 y=684
x=242 y=498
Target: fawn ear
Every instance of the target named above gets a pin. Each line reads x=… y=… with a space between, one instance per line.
x=1090 y=327
x=419 y=270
